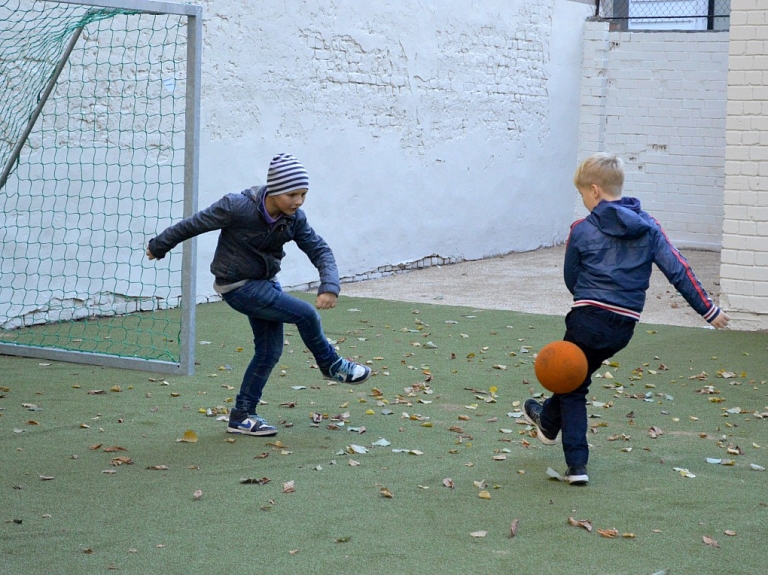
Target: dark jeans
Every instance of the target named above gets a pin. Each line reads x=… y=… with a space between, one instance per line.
x=600 y=334
x=268 y=308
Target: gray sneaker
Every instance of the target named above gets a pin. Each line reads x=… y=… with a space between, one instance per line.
x=532 y=413
x=253 y=425
x=346 y=371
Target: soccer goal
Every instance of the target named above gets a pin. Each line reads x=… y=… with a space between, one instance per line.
x=98 y=152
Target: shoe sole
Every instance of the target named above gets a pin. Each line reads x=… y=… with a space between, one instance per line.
x=358 y=382
x=543 y=438
x=253 y=433
x=577 y=479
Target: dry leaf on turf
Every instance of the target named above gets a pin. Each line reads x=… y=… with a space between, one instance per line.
x=513 y=528
x=554 y=474
x=253 y=480
x=709 y=541
x=448 y=482
x=654 y=432
x=197 y=494
x=288 y=487
x=484 y=495
x=479 y=533
x=386 y=493
x=583 y=523
x=684 y=472
x=189 y=437
x=608 y=533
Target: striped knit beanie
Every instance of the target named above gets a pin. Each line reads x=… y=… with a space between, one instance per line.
x=286 y=175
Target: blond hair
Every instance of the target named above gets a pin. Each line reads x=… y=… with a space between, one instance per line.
x=604 y=170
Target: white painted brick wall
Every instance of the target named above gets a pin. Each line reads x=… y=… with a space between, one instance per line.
x=744 y=269
x=426 y=127
x=658 y=100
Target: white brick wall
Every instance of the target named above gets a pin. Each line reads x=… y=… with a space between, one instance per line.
x=426 y=127
x=744 y=269
x=658 y=100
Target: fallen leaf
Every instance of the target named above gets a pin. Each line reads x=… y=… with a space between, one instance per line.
x=254 y=481
x=478 y=534
x=684 y=472
x=122 y=460
x=730 y=533
x=288 y=487
x=158 y=468
x=513 y=528
x=197 y=494
x=709 y=541
x=583 y=523
x=189 y=437
x=608 y=533
x=448 y=482
x=386 y=493
x=551 y=473
x=484 y=494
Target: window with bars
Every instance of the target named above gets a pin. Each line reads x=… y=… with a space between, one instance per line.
x=666 y=14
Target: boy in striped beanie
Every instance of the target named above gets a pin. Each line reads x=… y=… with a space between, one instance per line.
x=254 y=225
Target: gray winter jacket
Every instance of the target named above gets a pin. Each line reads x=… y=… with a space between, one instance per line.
x=249 y=247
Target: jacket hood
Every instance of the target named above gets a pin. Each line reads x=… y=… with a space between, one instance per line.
x=256 y=194
x=621 y=218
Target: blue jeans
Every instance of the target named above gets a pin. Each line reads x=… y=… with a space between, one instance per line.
x=600 y=334
x=268 y=308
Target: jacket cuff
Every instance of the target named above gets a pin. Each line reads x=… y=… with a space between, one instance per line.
x=712 y=313
x=159 y=254
x=328 y=288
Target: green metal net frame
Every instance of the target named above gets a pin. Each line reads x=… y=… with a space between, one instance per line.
x=98 y=152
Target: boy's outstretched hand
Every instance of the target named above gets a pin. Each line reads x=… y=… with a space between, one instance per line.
x=150 y=255
x=721 y=320
x=326 y=301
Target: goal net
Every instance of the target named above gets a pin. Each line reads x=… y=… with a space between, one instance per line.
x=98 y=152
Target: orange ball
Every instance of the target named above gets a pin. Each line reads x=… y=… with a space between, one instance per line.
x=560 y=366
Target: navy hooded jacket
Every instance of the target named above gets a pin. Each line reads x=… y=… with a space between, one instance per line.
x=609 y=257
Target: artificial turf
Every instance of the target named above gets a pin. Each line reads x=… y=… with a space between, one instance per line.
x=422 y=469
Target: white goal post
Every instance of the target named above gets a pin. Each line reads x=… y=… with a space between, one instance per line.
x=92 y=164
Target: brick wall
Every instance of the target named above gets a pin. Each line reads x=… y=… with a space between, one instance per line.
x=744 y=269
x=426 y=127
x=658 y=100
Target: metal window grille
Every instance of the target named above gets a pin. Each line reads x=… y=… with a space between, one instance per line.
x=666 y=14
